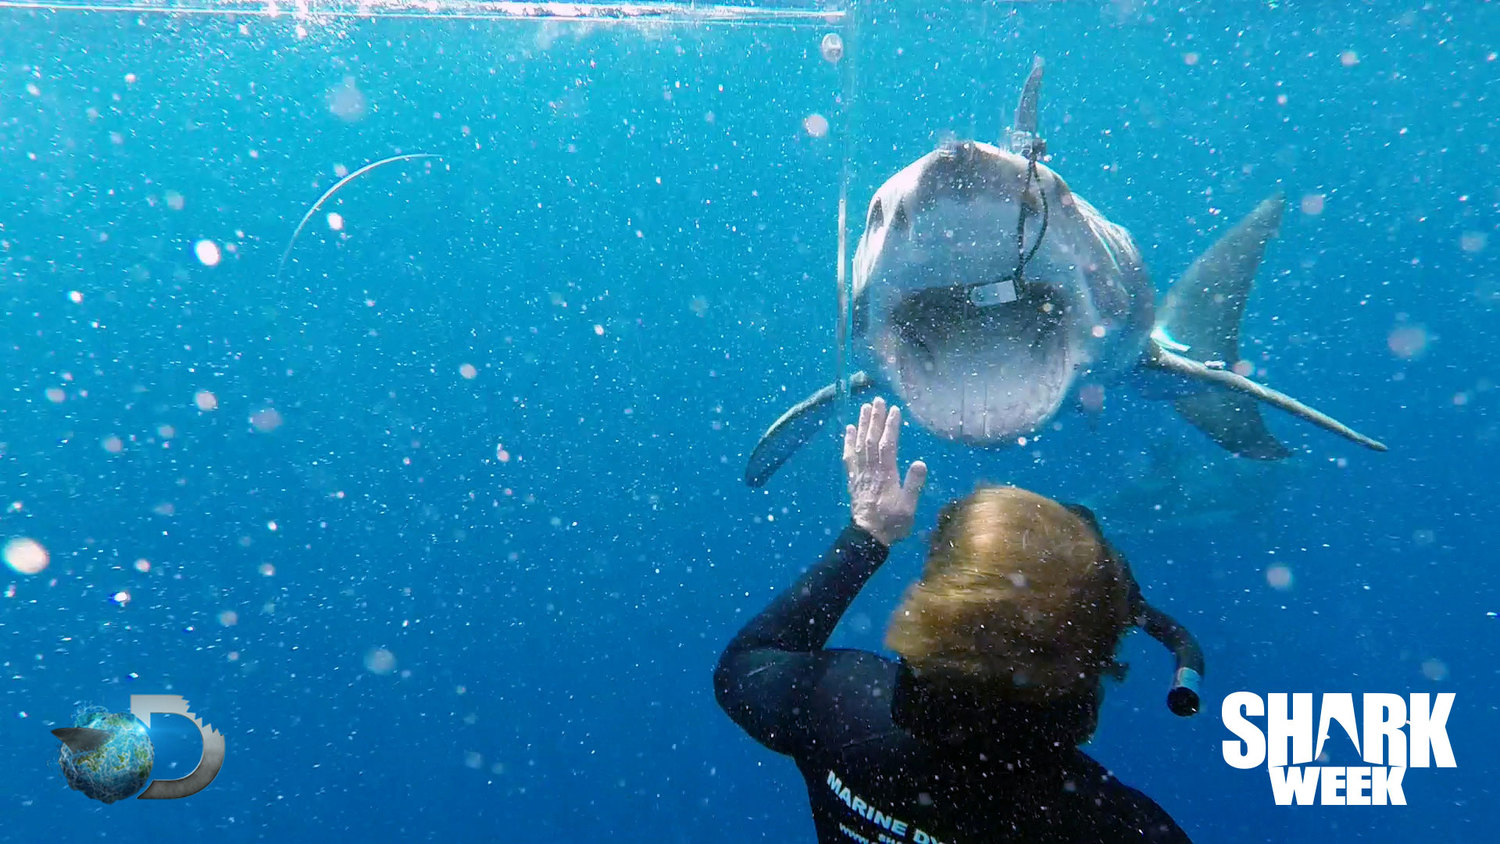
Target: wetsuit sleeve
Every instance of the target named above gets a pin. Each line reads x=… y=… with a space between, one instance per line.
x=769 y=669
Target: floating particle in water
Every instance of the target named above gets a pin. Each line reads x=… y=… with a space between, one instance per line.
x=208 y=253
x=1348 y=58
x=1091 y=396
x=76 y=297
x=1423 y=537
x=206 y=401
x=1312 y=204
x=229 y=618
x=816 y=125
x=1435 y=670
x=473 y=759
x=335 y=221
x=346 y=101
x=143 y=565
x=380 y=661
x=1279 y=577
x=832 y=48
x=1189 y=59
x=267 y=570
x=175 y=200
x=26 y=555
x=113 y=444
x=120 y=598
x=598 y=330
x=501 y=454
x=1407 y=341
x=1473 y=242
x=468 y=371
x=1243 y=368
x=130 y=78
x=265 y=420
x=56 y=395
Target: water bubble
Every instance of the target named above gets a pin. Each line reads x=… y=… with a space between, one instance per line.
x=26 y=555
x=832 y=48
x=1435 y=670
x=208 y=253
x=265 y=420
x=346 y=101
x=1407 y=341
x=1279 y=577
x=380 y=661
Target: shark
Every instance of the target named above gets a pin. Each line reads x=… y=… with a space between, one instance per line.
x=990 y=298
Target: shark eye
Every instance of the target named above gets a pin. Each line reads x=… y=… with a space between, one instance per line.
x=877 y=215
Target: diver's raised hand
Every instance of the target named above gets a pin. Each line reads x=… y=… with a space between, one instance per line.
x=881 y=504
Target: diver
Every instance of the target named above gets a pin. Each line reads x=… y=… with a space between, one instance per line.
x=972 y=734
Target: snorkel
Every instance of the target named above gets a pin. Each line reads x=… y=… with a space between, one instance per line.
x=1182 y=697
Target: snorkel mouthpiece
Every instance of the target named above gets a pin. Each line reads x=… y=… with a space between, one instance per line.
x=1182 y=699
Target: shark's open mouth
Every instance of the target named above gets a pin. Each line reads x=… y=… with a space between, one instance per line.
x=976 y=368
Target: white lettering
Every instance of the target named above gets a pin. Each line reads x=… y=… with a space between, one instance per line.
x=1333 y=784
x=1294 y=783
x=1359 y=781
x=1296 y=727
x=1429 y=728
x=1252 y=740
x=1385 y=715
x=1385 y=787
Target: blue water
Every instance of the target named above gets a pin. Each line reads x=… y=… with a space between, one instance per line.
x=629 y=242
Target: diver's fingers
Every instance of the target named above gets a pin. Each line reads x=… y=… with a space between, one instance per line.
x=851 y=435
x=916 y=481
x=875 y=431
x=889 y=439
x=862 y=433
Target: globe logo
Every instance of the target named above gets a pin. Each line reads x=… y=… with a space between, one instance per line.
x=108 y=756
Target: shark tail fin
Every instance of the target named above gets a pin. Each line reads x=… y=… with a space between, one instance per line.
x=1201 y=320
x=795 y=428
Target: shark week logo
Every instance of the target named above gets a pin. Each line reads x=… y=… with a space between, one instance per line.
x=1391 y=733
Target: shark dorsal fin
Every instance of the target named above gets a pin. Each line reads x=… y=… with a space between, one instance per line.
x=1022 y=136
x=81 y=739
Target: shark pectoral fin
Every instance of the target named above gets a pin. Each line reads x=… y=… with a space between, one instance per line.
x=1230 y=416
x=1233 y=421
x=795 y=428
x=81 y=739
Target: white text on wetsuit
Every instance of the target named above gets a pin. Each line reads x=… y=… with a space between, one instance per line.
x=895 y=830
x=1378 y=783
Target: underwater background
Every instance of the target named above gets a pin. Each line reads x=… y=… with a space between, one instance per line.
x=442 y=523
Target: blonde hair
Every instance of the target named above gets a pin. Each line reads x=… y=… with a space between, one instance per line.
x=1019 y=596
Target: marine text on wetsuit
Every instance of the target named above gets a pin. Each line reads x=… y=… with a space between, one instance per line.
x=893 y=830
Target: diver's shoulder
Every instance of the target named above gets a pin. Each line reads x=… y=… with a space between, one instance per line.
x=1130 y=813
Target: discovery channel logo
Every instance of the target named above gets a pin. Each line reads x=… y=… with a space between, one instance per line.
x=1390 y=733
x=108 y=755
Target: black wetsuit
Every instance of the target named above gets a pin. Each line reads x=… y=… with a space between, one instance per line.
x=868 y=778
